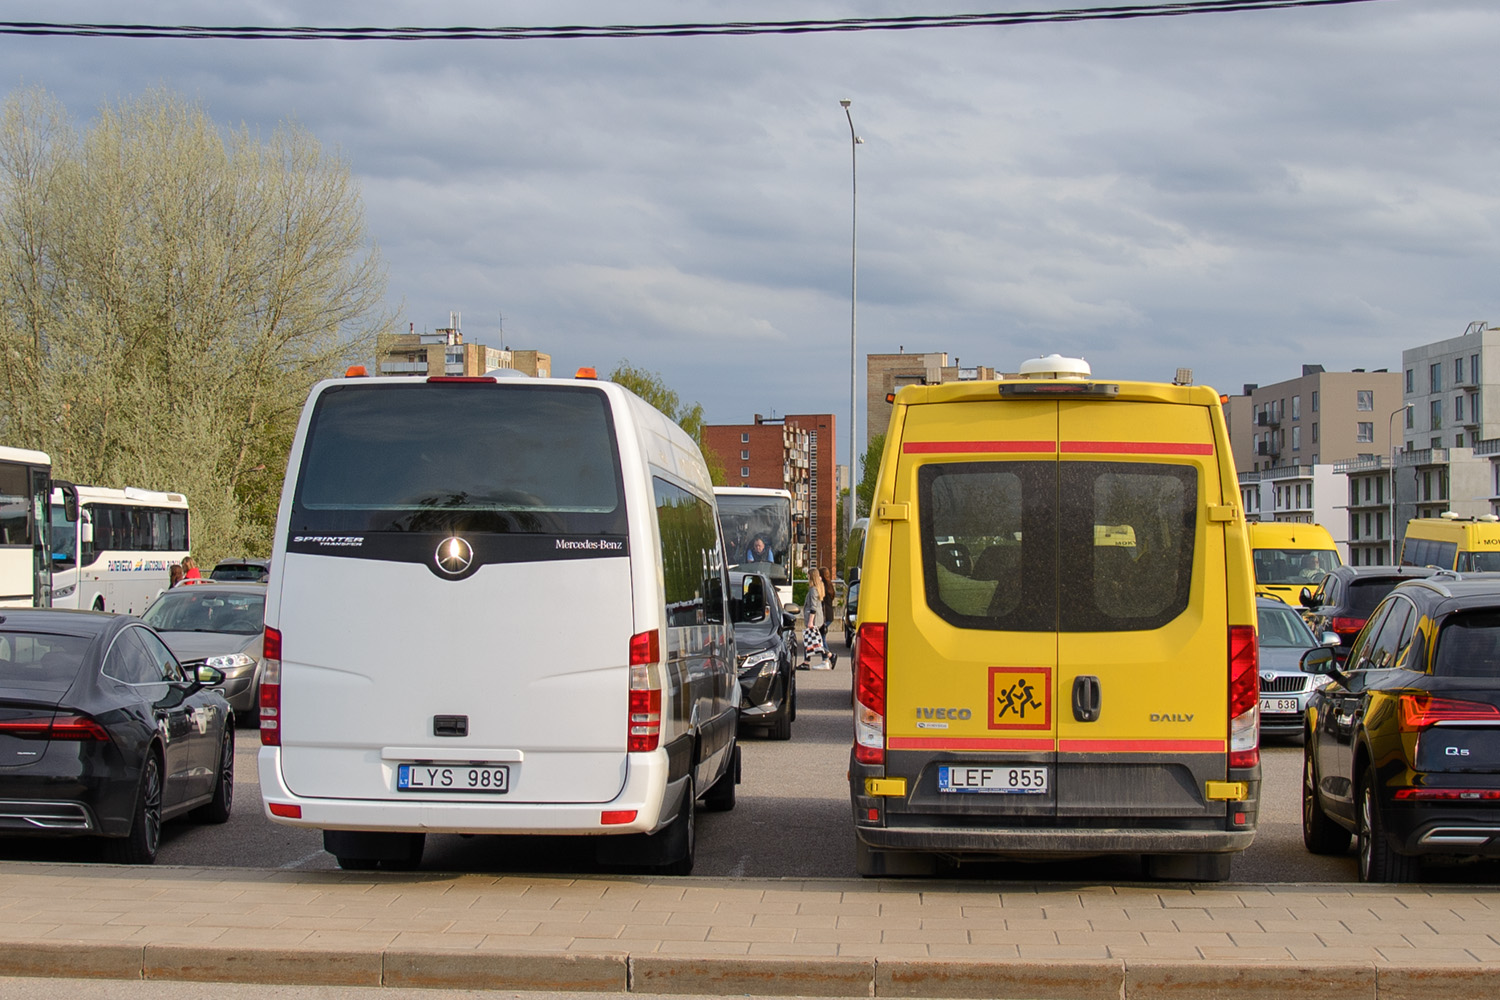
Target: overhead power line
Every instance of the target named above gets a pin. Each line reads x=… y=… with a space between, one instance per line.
x=802 y=27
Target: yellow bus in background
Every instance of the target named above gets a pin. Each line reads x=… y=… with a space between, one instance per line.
x=1289 y=556
x=1453 y=542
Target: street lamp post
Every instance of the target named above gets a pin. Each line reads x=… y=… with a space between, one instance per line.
x=1391 y=433
x=854 y=143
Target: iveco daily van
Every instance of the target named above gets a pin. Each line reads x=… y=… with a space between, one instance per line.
x=1056 y=651
x=1469 y=545
x=496 y=605
x=1289 y=556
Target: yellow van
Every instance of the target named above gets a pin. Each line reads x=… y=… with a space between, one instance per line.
x=1289 y=556
x=1056 y=653
x=1453 y=542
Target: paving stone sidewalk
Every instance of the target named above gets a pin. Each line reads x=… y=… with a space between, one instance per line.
x=760 y=937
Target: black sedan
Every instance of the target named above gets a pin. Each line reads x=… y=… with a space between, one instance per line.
x=763 y=641
x=102 y=733
x=1403 y=741
x=222 y=625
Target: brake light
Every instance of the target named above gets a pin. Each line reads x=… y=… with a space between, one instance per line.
x=643 y=733
x=1346 y=626
x=1446 y=794
x=270 y=689
x=1244 y=697
x=869 y=695
x=1418 y=711
x=462 y=378
x=71 y=728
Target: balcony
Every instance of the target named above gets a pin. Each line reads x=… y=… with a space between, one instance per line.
x=1264 y=419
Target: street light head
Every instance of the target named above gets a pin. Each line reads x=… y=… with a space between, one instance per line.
x=844 y=104
x=858 y=141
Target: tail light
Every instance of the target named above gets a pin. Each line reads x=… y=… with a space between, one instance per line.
x=644 y=732
x=71 y=728
x=1346 y=626
x=270 y=689
x=1418 y=711
x=869 y=695
x=1244 y=697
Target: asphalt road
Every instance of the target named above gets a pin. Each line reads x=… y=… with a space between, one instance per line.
x=792 y=820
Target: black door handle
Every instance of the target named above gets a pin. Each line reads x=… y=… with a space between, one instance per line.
x=1086 y=698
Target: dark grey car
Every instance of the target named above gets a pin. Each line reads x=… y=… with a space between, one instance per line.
x=1284 y=688
x=763 y=643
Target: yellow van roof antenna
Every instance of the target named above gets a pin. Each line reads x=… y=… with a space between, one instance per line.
x=1055 y=366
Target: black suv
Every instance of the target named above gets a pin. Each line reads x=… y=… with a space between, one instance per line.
x=763 y=633
x=1343 y=601
x=1403 y=742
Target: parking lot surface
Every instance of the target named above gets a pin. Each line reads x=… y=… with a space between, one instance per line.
x=724 y=936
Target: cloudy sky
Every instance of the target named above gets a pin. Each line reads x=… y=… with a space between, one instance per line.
x=1236 y=193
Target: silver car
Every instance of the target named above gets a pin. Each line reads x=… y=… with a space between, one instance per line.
x=1284 y=688
x=222 y=625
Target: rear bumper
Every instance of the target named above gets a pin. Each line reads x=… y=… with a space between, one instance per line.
x=1053 y=842
x=644 y=793
x=1443 y=830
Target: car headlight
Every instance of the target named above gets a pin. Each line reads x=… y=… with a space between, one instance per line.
x=765 y=660
x=231 y=662
x=65 y=591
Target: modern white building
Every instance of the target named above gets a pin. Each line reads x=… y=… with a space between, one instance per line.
x=1305 y=494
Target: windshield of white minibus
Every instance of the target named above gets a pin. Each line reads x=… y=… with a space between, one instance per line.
x=758 y=533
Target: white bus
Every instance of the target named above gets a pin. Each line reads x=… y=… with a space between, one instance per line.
x=496 y=606
x=759 y=533
x=25 y=570
x=117 y=555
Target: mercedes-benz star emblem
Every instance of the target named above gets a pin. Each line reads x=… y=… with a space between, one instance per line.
x=454 y=556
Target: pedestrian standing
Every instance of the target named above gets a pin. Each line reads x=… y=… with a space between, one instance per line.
x=828 y=595
x=190 y=569
x=812 y=632
x=174 y=574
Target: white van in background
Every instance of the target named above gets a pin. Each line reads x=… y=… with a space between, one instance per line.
x=496 y=605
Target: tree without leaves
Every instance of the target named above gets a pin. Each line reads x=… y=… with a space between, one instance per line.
x=169 y=291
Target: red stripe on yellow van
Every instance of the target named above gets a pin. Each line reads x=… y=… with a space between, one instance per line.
x=971 y=447
x=966 y=743
x=1136 y=448
x=1140 y=746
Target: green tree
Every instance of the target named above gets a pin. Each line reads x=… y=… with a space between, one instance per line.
x=869 y=471
x=169 y=291
x=689 y=416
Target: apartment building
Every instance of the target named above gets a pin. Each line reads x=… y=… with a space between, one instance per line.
x=886 y=373
x=822 y=485
x=1318 y=418
x=444 y=352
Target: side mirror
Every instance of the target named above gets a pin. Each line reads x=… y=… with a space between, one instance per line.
x=853 y=575
x=1330 y=639
x=1306 y=598
x=70 y=499
x=207 y=676
x=788 y=620
x=1319 y=661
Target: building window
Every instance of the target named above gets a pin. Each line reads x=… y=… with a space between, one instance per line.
x=1380 y=491
x=1315 y=432
x=744 y=437
x=1296 y=438
x=1364 y=399
x=744 y=472
x=1409 y=383
x=1474 y=409
x=1458 y=409
x=1474 y=368
x=1411 y=416
x=1296 y=407
x=1435 y=378
x=1458 y=370
x=1367 y=491
x=1366 y=432
x=1435 y=414
x=745 y=455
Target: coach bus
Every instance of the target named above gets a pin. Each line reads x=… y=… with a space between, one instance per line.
x=25 y=571
x=117 y=555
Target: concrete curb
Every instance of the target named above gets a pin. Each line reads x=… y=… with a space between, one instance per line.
x=825 y=977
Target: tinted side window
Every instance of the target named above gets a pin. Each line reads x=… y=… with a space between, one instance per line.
x=1364 y=595
x=1468 y=645
x=691 y=560
x=128 y=660
x=166 y=665
x=1384 y=651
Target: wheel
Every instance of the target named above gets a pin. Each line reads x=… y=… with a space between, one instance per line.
x=140 y=846
x=408 y=853
x=681 y=843
x=792 y=692
x=720 y=797
x=1377 y=862
x=781 y=723
x=217 y=809
x=1320 y=834
x=872 y=863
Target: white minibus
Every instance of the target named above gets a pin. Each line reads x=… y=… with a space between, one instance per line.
x=25 y=574
x=117 y=554
x=496 y=606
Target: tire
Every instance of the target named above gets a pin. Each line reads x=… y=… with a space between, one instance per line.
x=682 y=843
x=781 y=725
x=720 y=797
x=792 y=692
x=410 y=857
x=872 y=863
x=217 y=809
x=1377 y=862
x=139 y=847
x=1320 y=835
x=363 y=851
